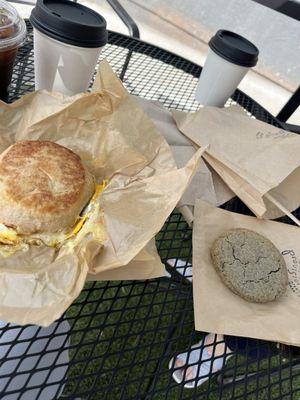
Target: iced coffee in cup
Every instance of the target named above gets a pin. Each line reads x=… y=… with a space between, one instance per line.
x=12 y=35
x=229 y=58
x=68 y=39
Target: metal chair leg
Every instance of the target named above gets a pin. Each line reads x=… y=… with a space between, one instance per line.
x=290 y=107
x=132 y=28
x=130 y=24
x=126 y=18
x=288 y=110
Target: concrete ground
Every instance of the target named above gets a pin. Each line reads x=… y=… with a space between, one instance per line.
x=178 y=27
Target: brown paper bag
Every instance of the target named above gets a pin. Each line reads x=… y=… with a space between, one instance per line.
x=205 y=184
x=252 y=157
x=219 y=310
x=145 y=265
x=118 y=142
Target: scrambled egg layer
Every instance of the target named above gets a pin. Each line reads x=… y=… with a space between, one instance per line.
x=12 y=241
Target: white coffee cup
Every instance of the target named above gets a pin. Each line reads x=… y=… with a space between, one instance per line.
x=68 y=39
x=229 y=58
x=61 y=67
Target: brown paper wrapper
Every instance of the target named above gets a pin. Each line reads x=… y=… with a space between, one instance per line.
x=145 y=265
x=219 y=310
x=252 y=157
x=118 y=142
x=206 y=184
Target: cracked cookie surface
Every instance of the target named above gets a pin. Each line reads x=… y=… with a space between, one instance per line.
x=250 y=265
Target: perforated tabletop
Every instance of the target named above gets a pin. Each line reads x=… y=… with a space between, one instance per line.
x=122 y=335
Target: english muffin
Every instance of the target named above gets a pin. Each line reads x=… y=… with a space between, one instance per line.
x=43 y=187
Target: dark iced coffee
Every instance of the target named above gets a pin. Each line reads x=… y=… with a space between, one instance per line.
x=12 y=35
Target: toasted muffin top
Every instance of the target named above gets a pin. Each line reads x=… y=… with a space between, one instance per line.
x=43 y=187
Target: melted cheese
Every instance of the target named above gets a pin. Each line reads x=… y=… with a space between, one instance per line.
x=89 y=209
x=98 y=190
x=9 y=236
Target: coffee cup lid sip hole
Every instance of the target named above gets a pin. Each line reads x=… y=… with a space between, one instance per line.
x=69 y=22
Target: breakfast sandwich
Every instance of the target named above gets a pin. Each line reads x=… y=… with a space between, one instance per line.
x=47 y=195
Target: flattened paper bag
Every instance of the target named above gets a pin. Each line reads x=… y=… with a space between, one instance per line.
x=252 y=157
x=206 y=184
x=118 y=143
x=217 y=309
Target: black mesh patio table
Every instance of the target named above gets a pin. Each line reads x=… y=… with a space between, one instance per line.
x=123 y=333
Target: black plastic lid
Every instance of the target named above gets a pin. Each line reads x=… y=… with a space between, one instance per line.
x=69 y=22
x=234 y=48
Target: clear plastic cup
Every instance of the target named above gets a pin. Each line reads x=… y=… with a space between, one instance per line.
x=12 y=36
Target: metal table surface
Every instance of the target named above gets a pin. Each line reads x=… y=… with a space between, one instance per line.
x=124 y=333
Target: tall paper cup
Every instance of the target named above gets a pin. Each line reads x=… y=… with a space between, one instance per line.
x=229 y=58
x=61 y=67
x=68 y=39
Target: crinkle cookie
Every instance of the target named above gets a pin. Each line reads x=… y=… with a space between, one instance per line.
x=250 y=265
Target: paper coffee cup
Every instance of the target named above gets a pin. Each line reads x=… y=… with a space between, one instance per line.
x=229 y=58
x=68 y=39
x=12 y=36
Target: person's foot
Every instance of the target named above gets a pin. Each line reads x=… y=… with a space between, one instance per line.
x=206 y=357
